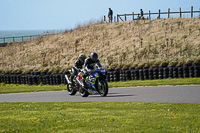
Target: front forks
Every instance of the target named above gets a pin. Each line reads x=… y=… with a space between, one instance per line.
x=98 y=85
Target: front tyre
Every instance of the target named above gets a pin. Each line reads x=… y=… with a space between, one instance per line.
x=103 y=91
x=83 y=92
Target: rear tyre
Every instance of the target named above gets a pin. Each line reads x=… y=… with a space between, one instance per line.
x=70 y=90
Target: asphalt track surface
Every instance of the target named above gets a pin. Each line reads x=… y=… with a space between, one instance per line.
x=159 y=94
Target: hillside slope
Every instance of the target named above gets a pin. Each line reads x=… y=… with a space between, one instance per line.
x=129 y=43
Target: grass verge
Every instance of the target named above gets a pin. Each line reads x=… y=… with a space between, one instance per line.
x=99 y=117
x=11 y=88
x=179 y=81
x=16 y=88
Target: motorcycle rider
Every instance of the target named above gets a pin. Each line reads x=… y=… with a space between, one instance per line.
x=89 y=65
x=78 y=64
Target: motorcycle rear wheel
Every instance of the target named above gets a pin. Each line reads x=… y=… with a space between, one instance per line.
x=70 y=90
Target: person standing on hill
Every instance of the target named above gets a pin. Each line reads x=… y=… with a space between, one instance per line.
x=141 y=14
x=110 y=15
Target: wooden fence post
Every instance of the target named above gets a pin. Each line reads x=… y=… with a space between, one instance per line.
x=159 y=14
x=191 y=11
x=104 y=18
x=117 y=18
x=125 y=16
x=180 y=12
x=149 y=15
x=133 y=15
x=168 y=12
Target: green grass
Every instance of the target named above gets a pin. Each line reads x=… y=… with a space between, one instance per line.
x=16 y=88
x=99 y=117
x=94 y=117
x=11 y=88
x=179 y=81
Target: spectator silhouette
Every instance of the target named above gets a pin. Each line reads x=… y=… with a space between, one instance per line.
x=141 y=14
x=110 y=15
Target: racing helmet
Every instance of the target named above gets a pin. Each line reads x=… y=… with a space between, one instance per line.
x=82 y=57
x=94 y=56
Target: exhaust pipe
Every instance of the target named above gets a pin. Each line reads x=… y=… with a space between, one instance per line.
x=68 y=81
x=79 y=82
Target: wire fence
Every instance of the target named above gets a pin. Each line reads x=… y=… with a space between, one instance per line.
x=18 y=38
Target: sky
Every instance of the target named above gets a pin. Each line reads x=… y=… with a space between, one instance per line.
x=67 y=14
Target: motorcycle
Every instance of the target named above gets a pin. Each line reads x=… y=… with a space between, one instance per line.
x=95 y=82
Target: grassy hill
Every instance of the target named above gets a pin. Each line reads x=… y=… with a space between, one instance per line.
x=149 y=42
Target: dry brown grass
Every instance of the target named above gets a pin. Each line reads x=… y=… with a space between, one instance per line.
x=176 y=39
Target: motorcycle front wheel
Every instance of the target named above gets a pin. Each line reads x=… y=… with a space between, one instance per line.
x=83 y=92
x=103 y=88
